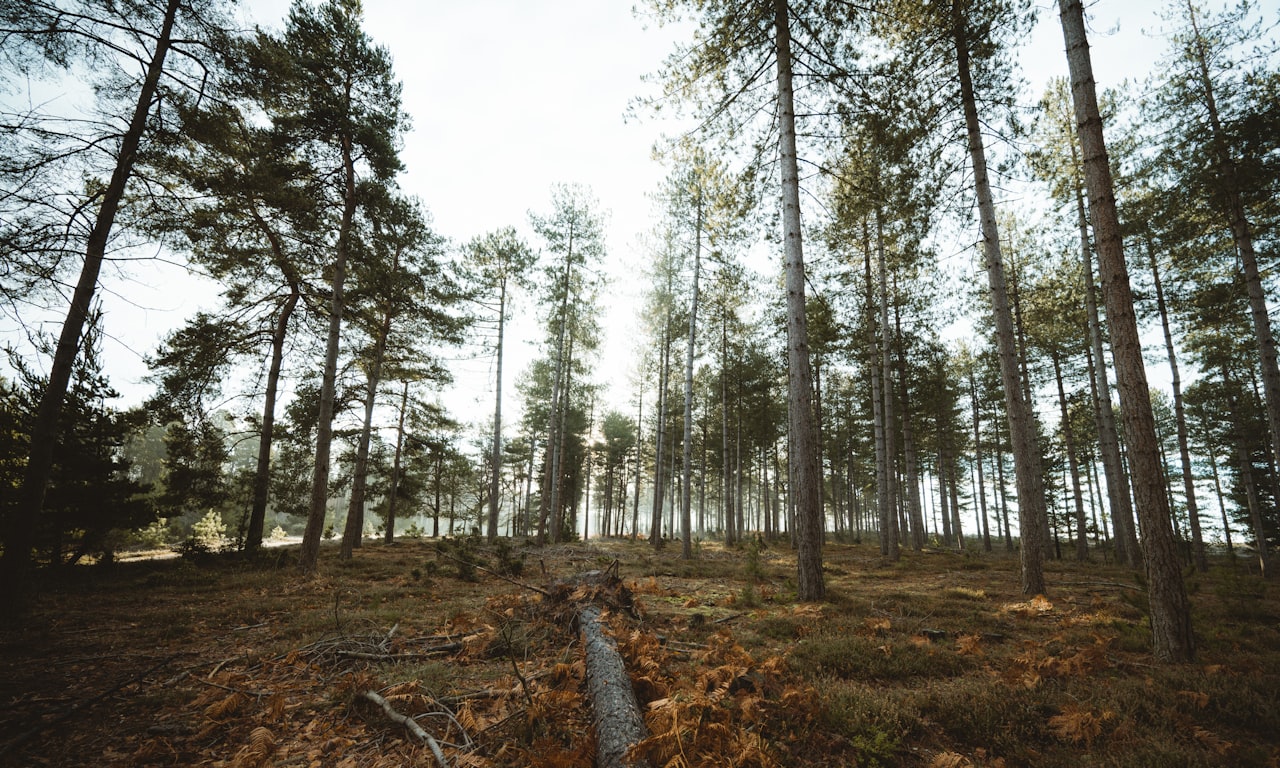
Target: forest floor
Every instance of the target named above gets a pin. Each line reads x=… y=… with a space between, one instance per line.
x=937 y=660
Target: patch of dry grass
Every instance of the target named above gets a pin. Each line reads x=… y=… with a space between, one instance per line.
x=935 y=660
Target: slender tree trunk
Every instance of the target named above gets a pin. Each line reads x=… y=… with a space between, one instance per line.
x=1180 y=416
x=910 y=459
x=389 y=536
x=635 y=501
x=1073 y=464
x=310 y=552
x=353 y=532
x=659 y=481
x=807 y=493
x=977 y=459
x=943 y=502
x=561 y=431
x=877 y=404
x=1026 y=454
x=21 y=527
x=1170 y=610
x=954 y=470
x=496 y=455
x=262 y=473
x=1222 y=507
x=686 y=490
x=889 y=522
x=730 y=527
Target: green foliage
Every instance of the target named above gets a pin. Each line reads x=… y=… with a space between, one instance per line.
x=508 y=563
x=90 y=491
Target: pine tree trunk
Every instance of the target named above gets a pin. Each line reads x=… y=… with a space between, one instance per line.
x=1073 y=464
x=1180 y=417
x=911 y=461
x=890 y=523
x=943 y=502
x=726 y=503
x=262 y=472
x=954 y=470
x=496 y=454
x=390 y=535
x=310 y=552
x=977 y=459
x=635 y=501
x=659 y=481
x=1026 y=454
x=1120 y=502
x=877 y=406
x=1170 y=610
x=686 y=490
x=558 y=534
x=353 y=532
x=807 y=491
x=20 y=532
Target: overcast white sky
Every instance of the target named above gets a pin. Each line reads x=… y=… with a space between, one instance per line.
x=511 y=96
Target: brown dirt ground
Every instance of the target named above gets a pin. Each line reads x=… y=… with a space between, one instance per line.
x=936 y=660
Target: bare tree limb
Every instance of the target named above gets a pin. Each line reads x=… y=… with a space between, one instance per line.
x=409 y=723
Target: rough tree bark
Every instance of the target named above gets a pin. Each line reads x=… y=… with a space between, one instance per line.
x=1026 y=454
x=1170 y=610
x=807 y=495
x=615 y=712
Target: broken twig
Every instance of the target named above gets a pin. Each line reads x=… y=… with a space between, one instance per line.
x=409 y=723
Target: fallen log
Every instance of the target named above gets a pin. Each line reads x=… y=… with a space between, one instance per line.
x=615 y=711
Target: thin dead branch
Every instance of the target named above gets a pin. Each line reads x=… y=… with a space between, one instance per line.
x=409 y=723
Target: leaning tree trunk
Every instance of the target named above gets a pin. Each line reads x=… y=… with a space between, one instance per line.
x=1170 y=610
x=310 y=552
x=19 y=538
x=1121 y=504
x=1026 y=454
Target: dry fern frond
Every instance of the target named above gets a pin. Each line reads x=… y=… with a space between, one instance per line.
x=226 y=706
x=969 y=645
x=262 y=742
x=1077 y=724
x=1211 y=740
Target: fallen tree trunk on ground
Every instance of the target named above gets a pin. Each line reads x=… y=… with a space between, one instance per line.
x=615 y=711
